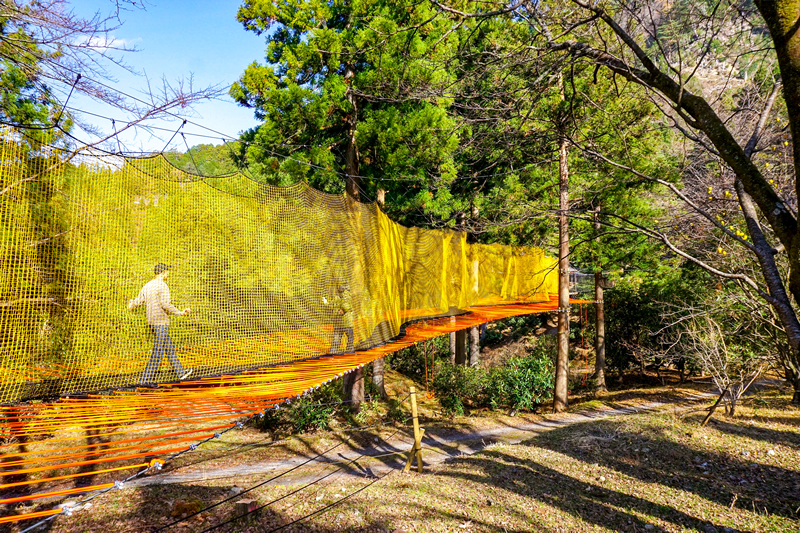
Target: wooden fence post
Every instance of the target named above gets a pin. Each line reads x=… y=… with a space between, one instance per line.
x=416 y=449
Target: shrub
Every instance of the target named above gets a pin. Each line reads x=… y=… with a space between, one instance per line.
x=457 y=385
x=522 y=383
x=312 y=411
x=307 y=413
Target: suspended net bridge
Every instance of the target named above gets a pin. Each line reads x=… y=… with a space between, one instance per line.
x=271 y=292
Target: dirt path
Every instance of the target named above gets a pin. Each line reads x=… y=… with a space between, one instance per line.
x=439 y=444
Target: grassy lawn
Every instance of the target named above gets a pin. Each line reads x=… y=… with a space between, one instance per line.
x=643 y=472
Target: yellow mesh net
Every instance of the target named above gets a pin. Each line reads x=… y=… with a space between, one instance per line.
x=271 y=274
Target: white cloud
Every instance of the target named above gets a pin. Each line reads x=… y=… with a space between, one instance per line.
x=105 y=43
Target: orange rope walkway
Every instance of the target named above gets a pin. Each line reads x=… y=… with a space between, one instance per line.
x=49 y=446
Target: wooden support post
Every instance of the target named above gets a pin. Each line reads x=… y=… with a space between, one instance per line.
x=244 y=507
x=461 y=348
x=416 y=449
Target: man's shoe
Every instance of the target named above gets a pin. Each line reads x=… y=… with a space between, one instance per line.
x=186 y=374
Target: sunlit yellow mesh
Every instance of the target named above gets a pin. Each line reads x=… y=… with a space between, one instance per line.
x=80 y=236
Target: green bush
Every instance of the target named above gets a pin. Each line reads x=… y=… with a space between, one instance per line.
x=457 y=385
x=312 y=411
x=522 y=383
x=307 y=414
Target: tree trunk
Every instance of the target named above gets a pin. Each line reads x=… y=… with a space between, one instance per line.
x=453 y=349
x=796 y=397
x=353 y=184
x=560 y=399
x=600 y=335
x=353 y=384
x=474 y=333
x=599 y=318
x=474 y=346
x=461 y=347
x=781 y=17
x=379 y=365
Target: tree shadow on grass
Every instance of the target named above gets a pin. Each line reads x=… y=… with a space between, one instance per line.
x=774 y=436
x=158 y=508
x=592 y=504
x=646 y=452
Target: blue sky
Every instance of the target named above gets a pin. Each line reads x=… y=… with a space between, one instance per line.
x=178 y=39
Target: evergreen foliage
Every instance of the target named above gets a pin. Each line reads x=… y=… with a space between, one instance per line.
x=332 y=84
x=207 y=159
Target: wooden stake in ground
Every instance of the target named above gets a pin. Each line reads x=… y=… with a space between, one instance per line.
x=416 y=449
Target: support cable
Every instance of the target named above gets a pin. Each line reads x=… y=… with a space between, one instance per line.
x=191 y=156
x=173 y=136
x=58 y=119
x=331 y=505
x=273 y=478
x=116 y=135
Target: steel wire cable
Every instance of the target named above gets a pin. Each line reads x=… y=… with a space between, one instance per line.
x=331 y=505
x=334 y=504
x=245 y=491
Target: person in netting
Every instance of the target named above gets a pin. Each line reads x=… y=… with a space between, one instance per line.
x=155 y=295
x=342 y=318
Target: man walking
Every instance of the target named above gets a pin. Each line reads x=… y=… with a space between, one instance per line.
x=155 y=296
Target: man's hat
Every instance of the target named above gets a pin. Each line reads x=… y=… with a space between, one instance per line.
x=161 y=267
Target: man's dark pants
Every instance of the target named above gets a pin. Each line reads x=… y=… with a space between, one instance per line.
x=162 y=345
